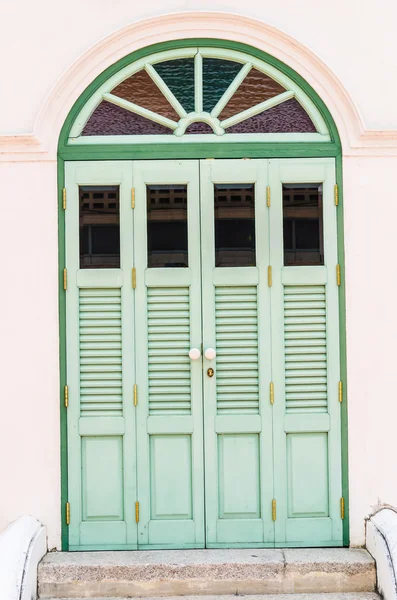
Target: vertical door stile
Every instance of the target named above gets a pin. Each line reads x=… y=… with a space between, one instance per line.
x=72 y=359
x=127 y=233
x=305 y=355
x=265 y=354
x=101 y=428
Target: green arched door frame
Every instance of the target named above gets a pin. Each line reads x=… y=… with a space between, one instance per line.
x=255 y=149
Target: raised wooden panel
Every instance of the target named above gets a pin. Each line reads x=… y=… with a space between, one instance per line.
x=100 y=352
x=236 y=329
x=238 y=475
x=305 y=342
x=102 y=478
x=171 y=477
x=307 y=475
x=168 y=349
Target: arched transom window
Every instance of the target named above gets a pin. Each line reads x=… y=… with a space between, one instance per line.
x=188 y=93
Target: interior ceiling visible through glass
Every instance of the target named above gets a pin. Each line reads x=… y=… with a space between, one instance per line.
x=198 y=95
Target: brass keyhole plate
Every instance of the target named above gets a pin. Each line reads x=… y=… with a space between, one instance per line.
x=210 y=372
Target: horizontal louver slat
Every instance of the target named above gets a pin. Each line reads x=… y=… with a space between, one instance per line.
x=237 y=381
x=168 y=351
x=101 y=393
x=305 y=348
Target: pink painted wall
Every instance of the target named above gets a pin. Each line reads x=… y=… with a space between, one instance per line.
x=347 y=52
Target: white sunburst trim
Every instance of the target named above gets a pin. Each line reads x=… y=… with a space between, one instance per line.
x=179 y=127
x=202 y=117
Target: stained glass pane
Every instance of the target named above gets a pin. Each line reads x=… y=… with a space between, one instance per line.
x=199 y=128
x=256 y=87
x=179 y=76
x=109 y=119
x=218 y=74
x=288 y=117
x=141 y=90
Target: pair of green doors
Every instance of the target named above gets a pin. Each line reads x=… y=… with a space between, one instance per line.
x=202 y=354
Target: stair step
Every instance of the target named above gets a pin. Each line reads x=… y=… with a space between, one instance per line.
x=345 y=596
x=170 y=573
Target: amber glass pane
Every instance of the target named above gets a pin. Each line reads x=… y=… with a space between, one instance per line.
x=199 y=128
x=167 y=226
x=288 y=117
x=179 y=76
x=218 y=74
x=99 y=227
x=234 y=225
x=141 y=90
x=303 y=224
x=256 y=87
x=109 y=119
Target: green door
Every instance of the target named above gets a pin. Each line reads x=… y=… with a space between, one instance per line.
x=100 y=355
x=202 y=354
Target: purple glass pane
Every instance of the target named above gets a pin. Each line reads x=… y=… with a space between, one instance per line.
x=199 y=128
x=109 y=119
x=288 y=117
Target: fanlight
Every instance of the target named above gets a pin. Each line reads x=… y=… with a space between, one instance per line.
x=198 y=91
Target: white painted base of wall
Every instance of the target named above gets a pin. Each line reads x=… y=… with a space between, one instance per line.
x=382 y=544
x=22 y=546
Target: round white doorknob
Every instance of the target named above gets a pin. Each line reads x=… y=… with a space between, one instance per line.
x=194 y=353
x=210 y=354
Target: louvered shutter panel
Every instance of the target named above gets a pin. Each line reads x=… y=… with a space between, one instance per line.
x=305 y=363
x=100 y=376
x=238 y=427
x=169 y=411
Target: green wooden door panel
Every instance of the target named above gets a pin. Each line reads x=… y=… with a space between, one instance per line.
x=169 y=412
x=197 y=445
x=305 y=360
x=100 y=375
x=237 y=412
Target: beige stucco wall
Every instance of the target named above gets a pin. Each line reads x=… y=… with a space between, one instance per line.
x=347 y=51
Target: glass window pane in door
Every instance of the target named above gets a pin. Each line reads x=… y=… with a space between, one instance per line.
x=167 y=226
x=99 y=220
x=303 y=224
x=234 y=225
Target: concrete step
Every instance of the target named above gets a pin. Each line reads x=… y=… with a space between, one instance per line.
x=205 y=572
x=348 y=596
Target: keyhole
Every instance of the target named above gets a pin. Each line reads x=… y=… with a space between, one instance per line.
x=210 y=372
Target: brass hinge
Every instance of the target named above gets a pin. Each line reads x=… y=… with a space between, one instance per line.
x=136 y=512
x=274 y=510
x=271 y=392
x=66 y=396
x=337 y=274
x=268 y=196
x=134 y=278
x=67 y=513
x=269 y=276
x=336 y=194
x=132 y=197
x=65 y=279
x=135 y=394
x=64 y=198
x=340 y=391
x=342 y=508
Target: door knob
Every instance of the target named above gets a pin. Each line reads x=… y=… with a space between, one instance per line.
x=210 y=354
x=194 y=353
